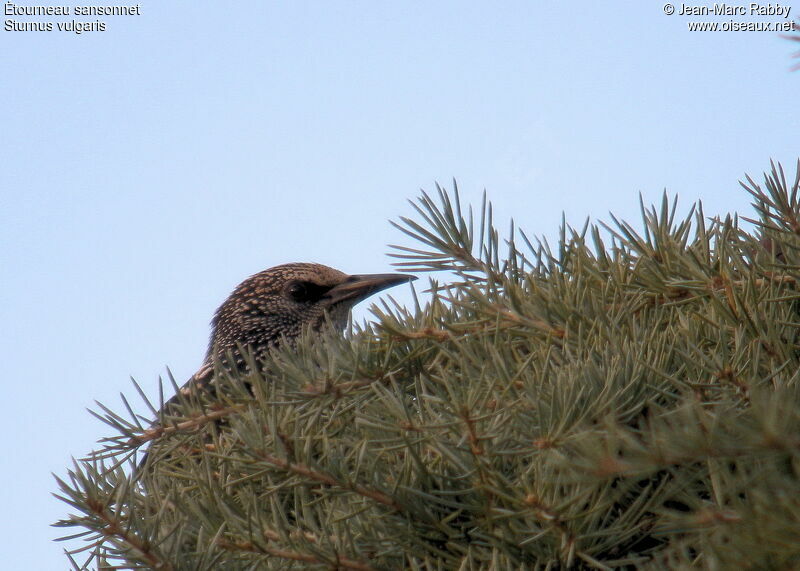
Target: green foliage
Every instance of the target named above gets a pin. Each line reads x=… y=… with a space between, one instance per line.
x=628 y=399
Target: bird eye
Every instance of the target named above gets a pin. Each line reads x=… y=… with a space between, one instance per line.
x=298 y=291
x=304 y=292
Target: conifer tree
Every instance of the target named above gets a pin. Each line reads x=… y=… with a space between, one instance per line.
x=625 y=399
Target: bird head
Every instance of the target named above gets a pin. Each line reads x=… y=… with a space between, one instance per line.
x=279 y=303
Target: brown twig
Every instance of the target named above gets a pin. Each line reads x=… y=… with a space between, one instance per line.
x=341 y=562
x=185 y=426
x=114 y=529
x=308 y=472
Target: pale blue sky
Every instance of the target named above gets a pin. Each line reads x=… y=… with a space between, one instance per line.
x=147 y=169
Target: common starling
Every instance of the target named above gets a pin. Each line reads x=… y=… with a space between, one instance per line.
x=275 y=306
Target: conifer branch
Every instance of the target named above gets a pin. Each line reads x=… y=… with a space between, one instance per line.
x=116 y=531
x=189 y=425
x=340 y=562
x=324 y=478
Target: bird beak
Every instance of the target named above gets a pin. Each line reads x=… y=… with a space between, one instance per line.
x=359 y=287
